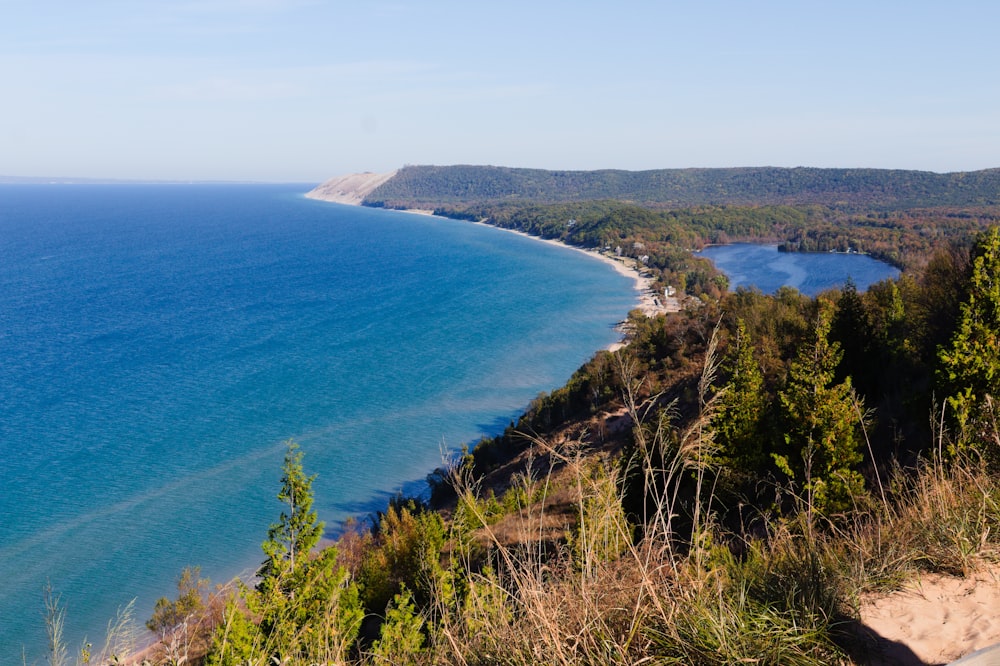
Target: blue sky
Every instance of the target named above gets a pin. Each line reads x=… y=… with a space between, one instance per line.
x=300 y=90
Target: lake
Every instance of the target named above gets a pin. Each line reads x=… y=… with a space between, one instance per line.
x=767 y=269
x=160 y=343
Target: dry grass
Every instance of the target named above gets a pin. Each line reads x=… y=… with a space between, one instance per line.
x=599 y=598
x=604 y=599
x=939 y=518
x=789 y=598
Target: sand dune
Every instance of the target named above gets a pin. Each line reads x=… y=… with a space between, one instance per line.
x=349 y=189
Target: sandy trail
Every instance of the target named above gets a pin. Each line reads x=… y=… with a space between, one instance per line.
x=935 y=619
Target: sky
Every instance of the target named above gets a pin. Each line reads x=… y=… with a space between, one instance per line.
x=303 y=90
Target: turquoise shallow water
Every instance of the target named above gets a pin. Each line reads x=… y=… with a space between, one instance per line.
x=763 y=267
x=159 y=343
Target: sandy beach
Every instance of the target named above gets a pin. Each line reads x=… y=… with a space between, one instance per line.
x=649 y=301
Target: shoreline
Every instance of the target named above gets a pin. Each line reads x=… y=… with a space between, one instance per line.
x=649 y=302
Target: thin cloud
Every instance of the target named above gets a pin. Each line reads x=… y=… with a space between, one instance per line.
x=283 y=82
x=225 y=90
x=242 y=6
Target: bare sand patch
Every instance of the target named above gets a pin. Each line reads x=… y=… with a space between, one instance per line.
x=935 y=619
x=350 y=189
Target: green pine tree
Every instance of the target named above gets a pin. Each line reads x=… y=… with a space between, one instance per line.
x=191 y=592
x=970 y=364
x=298 y=530
x=851 y=329
x=304 y=605
x=237 y=641
x=401 y=636
x=741 y=408
x=821 y=424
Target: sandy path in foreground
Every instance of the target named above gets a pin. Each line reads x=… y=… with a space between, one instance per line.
x=935 y=619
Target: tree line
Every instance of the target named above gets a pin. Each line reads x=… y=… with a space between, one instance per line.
x=879 y=189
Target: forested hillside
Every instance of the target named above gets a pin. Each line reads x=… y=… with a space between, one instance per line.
x=725 y=489
x=877 y=189
x=900 y=217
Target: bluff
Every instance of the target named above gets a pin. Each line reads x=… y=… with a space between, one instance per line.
x=350 y=189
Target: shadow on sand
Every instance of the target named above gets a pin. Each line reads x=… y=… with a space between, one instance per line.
x=867 y=646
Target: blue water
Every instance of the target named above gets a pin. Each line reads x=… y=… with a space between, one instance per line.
x=159 y=343
x=763 y=267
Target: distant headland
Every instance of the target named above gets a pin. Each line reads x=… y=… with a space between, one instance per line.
x=421 y=187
